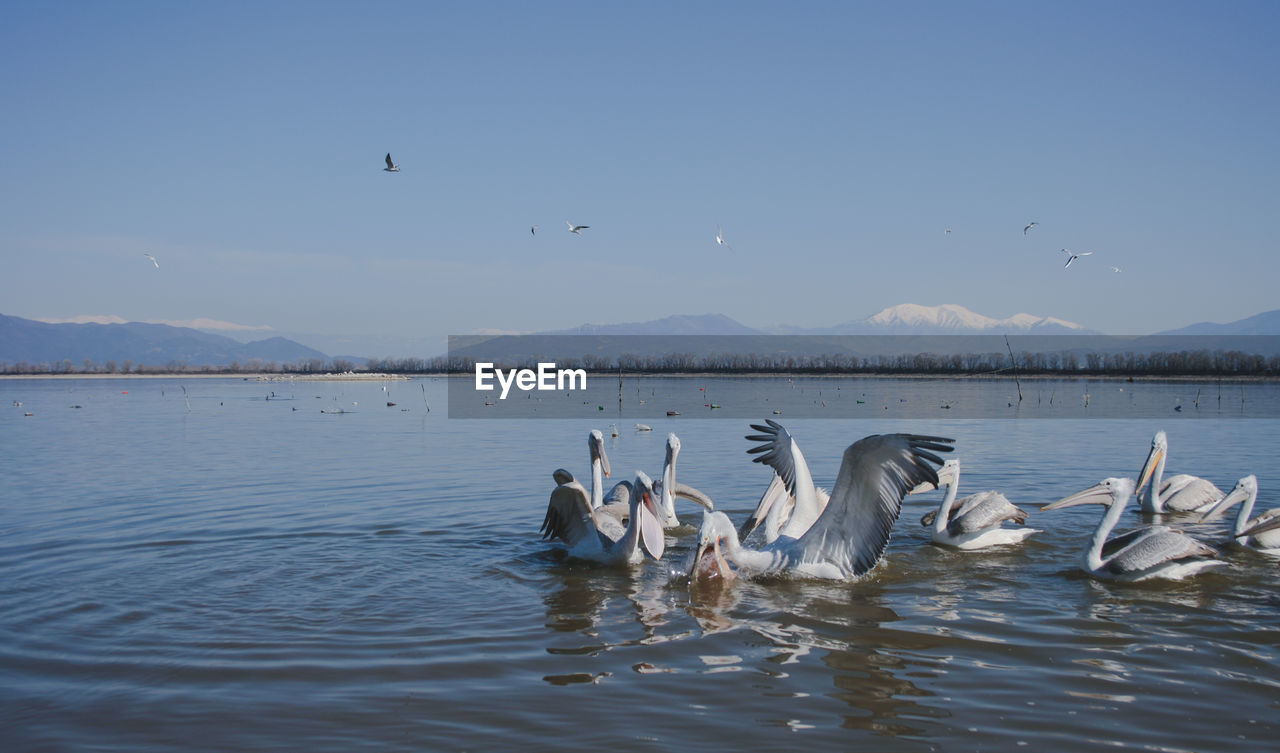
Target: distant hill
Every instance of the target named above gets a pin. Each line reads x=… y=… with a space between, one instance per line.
x=680 y=324
x=26 y=340
x=1266 y=323
x=946 y=319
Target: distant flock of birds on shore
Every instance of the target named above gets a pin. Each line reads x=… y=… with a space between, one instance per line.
x=799 y=529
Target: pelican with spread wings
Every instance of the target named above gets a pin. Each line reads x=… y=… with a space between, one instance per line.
x=844 y=539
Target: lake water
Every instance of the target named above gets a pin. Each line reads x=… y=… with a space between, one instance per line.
x=218 y=570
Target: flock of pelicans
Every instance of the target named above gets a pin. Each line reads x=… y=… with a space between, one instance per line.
x=802 y=530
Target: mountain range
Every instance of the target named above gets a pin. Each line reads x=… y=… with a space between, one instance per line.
x=903 y=319
x=35 y=342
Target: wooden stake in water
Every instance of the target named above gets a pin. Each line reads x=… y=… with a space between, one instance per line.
x=1015 y=367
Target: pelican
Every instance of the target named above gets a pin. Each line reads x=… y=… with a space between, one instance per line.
x=1246 y=491
x=1180 y=493
x=1151 y=552
x=720 y=238
x=391 y=166
x=666 y=487
x=1029 y=226
x=599 y=467
x=594 y=534
x=976 y=522
x=1072 y=256
x=576 y=229
x=850 y=535
x=153 y=260
x=669 y=489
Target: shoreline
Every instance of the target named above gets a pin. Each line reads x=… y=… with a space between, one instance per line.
x=383 y=377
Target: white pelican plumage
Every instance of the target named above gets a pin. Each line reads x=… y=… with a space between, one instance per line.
x=1246 y=491
x=1151 y=552
x=849 y=536
x=667 y=489
x=391 y=166
x=595 y=534
x=974 y=523
x=1180 y=493
x=779 y=504
x=599 y=466
x=576 y=229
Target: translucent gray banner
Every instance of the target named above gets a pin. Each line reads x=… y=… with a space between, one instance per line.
x=638 y=377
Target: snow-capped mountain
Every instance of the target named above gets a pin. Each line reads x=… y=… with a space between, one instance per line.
x=949 y=318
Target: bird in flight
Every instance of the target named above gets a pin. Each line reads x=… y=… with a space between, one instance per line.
x=947 y=231
x=576 y=229
x=391 y=166
x=1029 y=226
x=153 y=260
x=533 y=230
x=1071 y=256
x=1117 y=270
x=720 y=238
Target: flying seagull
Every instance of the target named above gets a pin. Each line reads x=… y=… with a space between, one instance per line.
x=533 y=230
x=1117 y=270
x=1071 y=256
x=391 y=166
x=153 y=260
x=720 y=238
x=576 y=229
x=947 y=231
x=1029 y=226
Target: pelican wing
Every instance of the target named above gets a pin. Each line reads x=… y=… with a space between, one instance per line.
x=982 y=511
x=875 y=476
x=568 y=514
x=1116 y=543
x=775 y=493
x=1186 y=493
x=781 y=453
x=1156 y=549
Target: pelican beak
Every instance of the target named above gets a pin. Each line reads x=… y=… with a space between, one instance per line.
x=651 y=534
x=1269 y=525
x=684 y=491
x=1098 y=494
x=1238 y=494
x=1148 y=468
x=709 y=564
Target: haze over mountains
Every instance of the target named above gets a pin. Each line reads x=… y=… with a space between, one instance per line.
x=36 y=342
x=903 y=319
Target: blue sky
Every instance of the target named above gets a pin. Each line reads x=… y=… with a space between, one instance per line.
x=242 y=145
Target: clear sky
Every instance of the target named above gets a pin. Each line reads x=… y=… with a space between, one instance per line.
x=241 y=143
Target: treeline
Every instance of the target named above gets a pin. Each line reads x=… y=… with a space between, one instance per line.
x=1179 y=363
x=127 y=366
x=1205 y=363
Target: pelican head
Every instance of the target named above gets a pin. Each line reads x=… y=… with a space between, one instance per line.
x=646 y=512
x=1244 y=489
x=1106 y=493
x=595 y=443
x=562 y=476
x=1159 y=448
x=709 y=563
